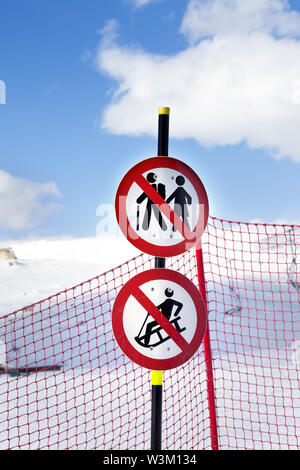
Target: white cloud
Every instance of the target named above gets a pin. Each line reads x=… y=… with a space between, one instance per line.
x=109 y=33
x=206 y=18
x=233 y=87
x=24 y=204
x=141 y=3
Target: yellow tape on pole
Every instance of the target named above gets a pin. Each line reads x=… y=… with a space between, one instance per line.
x=163 y=110
x=157 y=377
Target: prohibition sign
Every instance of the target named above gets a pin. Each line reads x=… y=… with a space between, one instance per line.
x=162 y=207
x=159 y=319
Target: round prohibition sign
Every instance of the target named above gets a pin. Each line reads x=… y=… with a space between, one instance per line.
x=162 y=207
x=159 y=319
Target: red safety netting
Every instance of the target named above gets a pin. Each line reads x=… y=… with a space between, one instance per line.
x=67 y=385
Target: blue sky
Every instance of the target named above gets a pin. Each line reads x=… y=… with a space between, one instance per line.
x=84 y=80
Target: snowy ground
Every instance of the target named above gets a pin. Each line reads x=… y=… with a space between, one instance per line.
x=45 y=267
x=256 y=406
x=92 y=402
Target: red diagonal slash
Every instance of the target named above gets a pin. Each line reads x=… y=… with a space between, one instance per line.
x=164 y=208
x=160 y=319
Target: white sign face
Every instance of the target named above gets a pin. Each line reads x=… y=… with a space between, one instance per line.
x=146 y=218
x=143 y=332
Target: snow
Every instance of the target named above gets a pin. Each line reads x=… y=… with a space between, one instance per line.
x=48 y=266
x=91 y=403
x=256 y=408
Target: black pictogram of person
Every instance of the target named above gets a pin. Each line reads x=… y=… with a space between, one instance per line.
x=181 y=200
x=150 y=206
x=166 y=308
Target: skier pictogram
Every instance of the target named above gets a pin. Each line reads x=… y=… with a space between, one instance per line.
x=153 y=329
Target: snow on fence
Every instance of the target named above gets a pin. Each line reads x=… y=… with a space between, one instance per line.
x=65 y=384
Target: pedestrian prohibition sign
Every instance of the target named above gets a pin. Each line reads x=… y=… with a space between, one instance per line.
x=162 y=207
x=159 y=319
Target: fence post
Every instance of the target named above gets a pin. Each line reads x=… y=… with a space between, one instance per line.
x=157 y=376
x=208 y=356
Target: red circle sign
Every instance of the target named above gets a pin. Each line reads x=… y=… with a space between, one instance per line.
x=159 y=319
x=162 y=207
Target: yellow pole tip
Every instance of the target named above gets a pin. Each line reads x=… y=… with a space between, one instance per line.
x=157 y=377
x=163 y=110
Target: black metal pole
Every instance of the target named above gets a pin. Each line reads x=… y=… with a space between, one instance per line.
x=163 y=132
x=157 y=376
x=156 y=410
x=163 y=151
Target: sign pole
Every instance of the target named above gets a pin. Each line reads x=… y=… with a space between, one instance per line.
x=156 y=410
x=157 y=376
x=163 y=151
x=153 y=177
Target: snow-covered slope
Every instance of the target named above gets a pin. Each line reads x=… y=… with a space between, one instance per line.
x=255 y=355
x=45 y=267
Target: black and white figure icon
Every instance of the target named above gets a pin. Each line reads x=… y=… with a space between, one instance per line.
x=182 y=200
x=176 y=194
x=151 y=329
x=150 y=206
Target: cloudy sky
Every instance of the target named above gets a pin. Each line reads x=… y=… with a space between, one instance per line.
x=84 y=80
